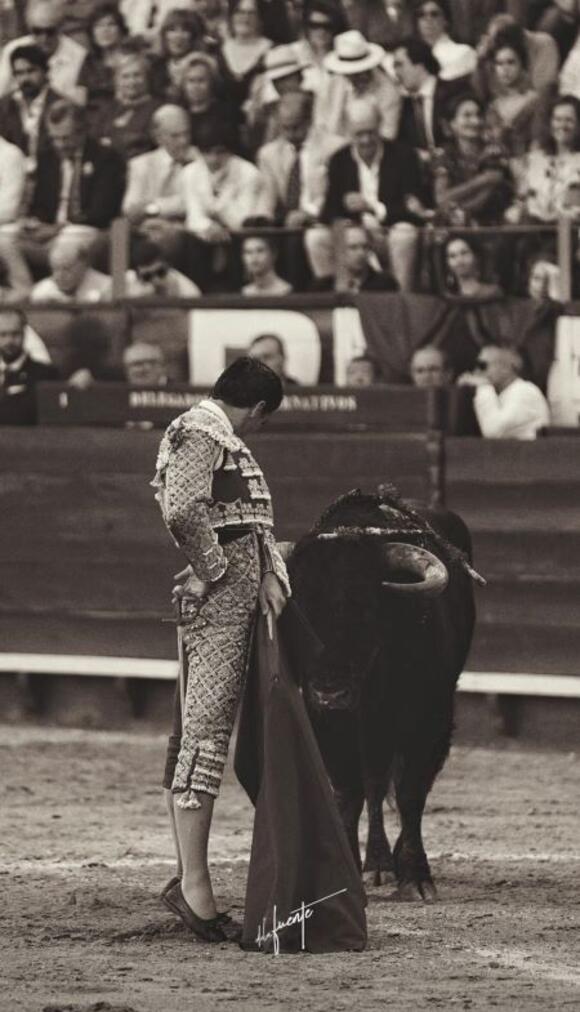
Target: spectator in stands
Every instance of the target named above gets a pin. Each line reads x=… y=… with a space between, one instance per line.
x=429 y=367
x=145 y=17
x=463 y=264
x=362 y=371
x=356 y=275
x=71 y=278
x=371 y=180
x=432 y=22
x=282 y=76
x=544 y=282
x=506 y=406
x=199 y=94
x=220 y=191
x=19 y=373
x=78 y=183
x=182 y=33
x=294 y=167
x=259 y=261
x=386 y=23
x=358 y=75
x=422 y=112
x=125 y=121
x=322 y=22
x=65 y=56
x=472 y=181
x=269 y=349
x=107 y=34
x=511 y=114
x=547 y=178
x=144 y=365
x=153 y=278
x=153 y=200
x=23 y=112
x=542 y=55
x=12 y=181
x=241 y=56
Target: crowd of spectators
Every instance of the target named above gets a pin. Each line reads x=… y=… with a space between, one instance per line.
x=265 y=147
x=197 y=119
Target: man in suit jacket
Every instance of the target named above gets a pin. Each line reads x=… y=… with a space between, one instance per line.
x=424 y=97
x=372 y=181
x=19 y=373
x=357 y=274
x=295 y=170
x=79 y=186
x=23 y=113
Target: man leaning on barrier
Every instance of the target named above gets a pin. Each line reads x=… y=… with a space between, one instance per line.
x=216 y=504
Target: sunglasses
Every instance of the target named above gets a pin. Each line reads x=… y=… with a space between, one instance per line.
x=156 y=272
x=481 y=365
x=430 y=13
x=44 y=31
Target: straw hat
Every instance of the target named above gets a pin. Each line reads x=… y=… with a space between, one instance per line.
x=352 y=54
x=281 y=61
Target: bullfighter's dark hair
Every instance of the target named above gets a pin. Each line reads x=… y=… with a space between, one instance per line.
x=246 y=382
x=32 y=54
x=420 y=53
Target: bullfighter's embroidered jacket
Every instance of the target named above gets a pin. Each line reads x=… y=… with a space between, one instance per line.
x=207 y=479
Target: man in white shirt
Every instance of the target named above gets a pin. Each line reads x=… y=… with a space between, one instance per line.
x=72 y=279
x=506 y=406
x=153 y=198
x=65 y=56
x=220 y=192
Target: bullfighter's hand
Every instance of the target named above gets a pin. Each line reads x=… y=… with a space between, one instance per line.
x=272 y=598
x=188 y=585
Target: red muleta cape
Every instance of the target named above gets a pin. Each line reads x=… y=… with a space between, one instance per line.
x=300 y=853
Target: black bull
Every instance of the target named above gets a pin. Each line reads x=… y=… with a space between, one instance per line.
x=397 y=627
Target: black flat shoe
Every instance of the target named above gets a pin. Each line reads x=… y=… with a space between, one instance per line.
x=222 y=917
x=209 y=930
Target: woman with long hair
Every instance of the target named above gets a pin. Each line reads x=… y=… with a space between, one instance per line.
x=108 y=36
x=200 y=96
x=548 y=179
x=462 y=261
x=182 y=33
x=512 y=112
x=240 y=58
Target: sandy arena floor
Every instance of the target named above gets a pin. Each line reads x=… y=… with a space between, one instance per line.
x=85 y=850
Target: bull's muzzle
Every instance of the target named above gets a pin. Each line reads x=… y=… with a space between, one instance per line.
x=411 y=570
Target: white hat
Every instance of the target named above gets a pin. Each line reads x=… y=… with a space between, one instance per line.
x=281 y=61
x=352 y=54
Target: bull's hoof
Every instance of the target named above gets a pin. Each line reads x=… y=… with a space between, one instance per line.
x=415 y=892
x=378 y=877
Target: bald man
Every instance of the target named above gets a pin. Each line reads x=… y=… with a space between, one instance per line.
x=429 y=368
x=153 y=183
x=371 y=181
x=71 y=278
x=44 y=19
x=506 y=406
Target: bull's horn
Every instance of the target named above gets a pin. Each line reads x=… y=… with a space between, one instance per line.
x=413 y=570
x=285 y=548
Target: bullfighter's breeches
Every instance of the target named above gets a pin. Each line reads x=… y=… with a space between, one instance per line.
x=216 y=643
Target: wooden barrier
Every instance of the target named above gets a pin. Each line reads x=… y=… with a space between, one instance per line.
x=87 y=565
